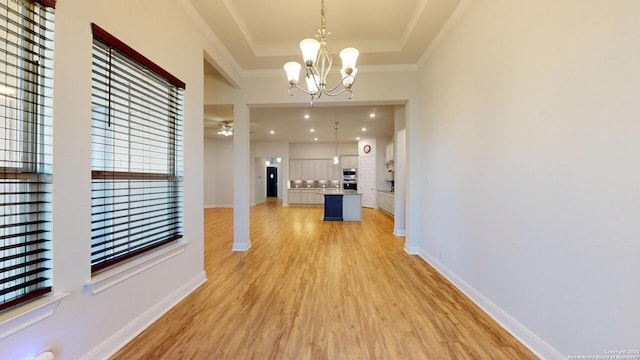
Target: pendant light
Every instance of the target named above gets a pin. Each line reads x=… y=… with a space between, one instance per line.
x=335 y=158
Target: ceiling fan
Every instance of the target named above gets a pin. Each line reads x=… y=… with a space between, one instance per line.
x=225 y=128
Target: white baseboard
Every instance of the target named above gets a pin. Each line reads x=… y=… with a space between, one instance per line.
x=399 y=232
x=118 y=340
x=529 y=339
x=241 y=246
x=224 y=206
x=411 y=250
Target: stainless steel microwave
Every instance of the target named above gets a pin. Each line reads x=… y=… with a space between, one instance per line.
x=349 y=173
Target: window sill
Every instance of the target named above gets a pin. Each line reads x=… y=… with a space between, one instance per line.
x=28 y=314
x=112 y=277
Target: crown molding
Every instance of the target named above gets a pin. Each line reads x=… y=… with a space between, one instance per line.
x=361 y=69
x=453 y=19
x=412 y=22
x=224 y=61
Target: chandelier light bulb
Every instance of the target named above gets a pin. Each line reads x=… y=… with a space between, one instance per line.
x=312 y=83
x=293 y=72
x=309 y=49
x=349 y=57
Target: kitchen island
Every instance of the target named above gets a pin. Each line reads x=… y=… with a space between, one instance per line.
x=342 y=205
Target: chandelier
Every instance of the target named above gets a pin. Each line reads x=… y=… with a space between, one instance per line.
x=225 y=129
x=317 y=61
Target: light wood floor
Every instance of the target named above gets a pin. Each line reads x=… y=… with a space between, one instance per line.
x=309 y=289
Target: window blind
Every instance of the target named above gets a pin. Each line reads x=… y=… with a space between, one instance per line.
x=26 y=121
x=136 y=153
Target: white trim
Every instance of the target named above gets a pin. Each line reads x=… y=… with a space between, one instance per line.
x=444 y=31
x=29 y=314
x=241 y=246
x=230 y=70
x=118 y=274
x=528 y=338
x=123 y=336
x=399 y=232
x=411 y=250
x=391 y=68
x=219 y=206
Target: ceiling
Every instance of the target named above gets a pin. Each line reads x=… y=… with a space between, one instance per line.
x=263 y=35
x=290 y=124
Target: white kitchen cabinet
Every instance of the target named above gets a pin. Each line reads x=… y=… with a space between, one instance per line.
x=334 y=171
x=349 y=161
x=303 y=197
x=389 y=154
x=308 y=197
x=386 y=201
x=314 y=169
x=295 y=170
x=308 y=171
x=294 y=197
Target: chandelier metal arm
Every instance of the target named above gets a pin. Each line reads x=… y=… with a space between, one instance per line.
x=323 y=90
x=330 y=92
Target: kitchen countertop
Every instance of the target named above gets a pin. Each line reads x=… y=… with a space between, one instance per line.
x=338 y=192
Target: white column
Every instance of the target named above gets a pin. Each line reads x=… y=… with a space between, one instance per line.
x=400 y=177
x=413 y=177
x=241 y=178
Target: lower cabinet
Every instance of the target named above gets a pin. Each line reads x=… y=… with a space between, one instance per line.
x=305 y=197
x=386 y=201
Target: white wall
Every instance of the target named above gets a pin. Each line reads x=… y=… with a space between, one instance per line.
x=381 y=168
x=259 y=181
x=531 y=196
x=274 y=149
x=93 y=326
x=218 y=173
x=210 y=172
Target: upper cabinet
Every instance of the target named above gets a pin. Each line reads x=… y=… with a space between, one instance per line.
x=313 y=169
x=295 y=170
x=390 y=152
x=349 y=161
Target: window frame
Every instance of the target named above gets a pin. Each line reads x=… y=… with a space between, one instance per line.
x=26 y=164
x=122 y=59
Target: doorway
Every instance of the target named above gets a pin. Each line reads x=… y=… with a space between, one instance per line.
x=272 y=181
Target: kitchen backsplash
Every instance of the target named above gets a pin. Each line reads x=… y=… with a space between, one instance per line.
x=313 y=184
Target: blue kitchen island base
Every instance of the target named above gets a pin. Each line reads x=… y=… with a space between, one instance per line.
x=342 y=206
x=332 y=207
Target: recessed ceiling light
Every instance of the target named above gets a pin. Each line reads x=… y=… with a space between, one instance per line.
x=315 y=139
x=312 y=130
x=372 y=115
x=358 y=138
x=364 y=129
x=272 y=132
x=306 y=116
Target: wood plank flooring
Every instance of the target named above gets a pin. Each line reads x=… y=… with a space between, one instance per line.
x=309 y=289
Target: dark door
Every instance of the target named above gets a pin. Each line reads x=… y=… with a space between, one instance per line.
x=272 y=181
